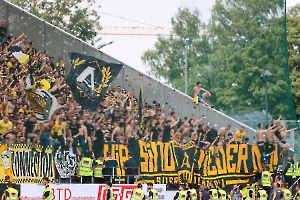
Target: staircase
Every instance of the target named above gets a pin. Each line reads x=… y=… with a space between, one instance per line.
x=59 y=43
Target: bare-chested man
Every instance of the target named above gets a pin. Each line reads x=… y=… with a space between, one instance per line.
x=222 y=135
x=82 y=135
x=270 y=134
x=43 y=132
x=11 y=106
x=185 y=135
x=282 y=138
x=131 y=131
x=260 y=136
x=118 y=133
x=199 y=98
x=83 y=130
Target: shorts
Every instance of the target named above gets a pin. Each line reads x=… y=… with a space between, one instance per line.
x=258 y=143
x=217 y=142
x=202 y=143
x=280 y=144
x=200 y=98
x=197 y=99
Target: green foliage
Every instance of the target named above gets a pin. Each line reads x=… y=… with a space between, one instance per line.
x=167 y=59
x=248 y=38
x=293 y=34
x=242 y=39
x=76 y=17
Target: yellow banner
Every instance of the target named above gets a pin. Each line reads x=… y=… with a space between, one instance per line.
x=173 y=163
x=23 y=165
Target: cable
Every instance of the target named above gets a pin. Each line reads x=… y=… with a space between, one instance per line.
x=129 y=19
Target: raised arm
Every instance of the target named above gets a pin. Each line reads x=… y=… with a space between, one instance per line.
x=277 y=120
x=293 y=129
x=175 y=123
x=270 y=128
x=113 y=134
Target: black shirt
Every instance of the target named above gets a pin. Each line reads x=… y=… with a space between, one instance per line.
x=258 y=194
x=52 y=66
x=90 y=128
x=130 y=165
x=99 y=135
x=176 y=195
x=29 y=126
x=211 y=135
x=151 y=194
x=269 y=148
x=46 y=194
x=167 y=134
x=2 y=29
x=74 y=128
x=202 y=132
x=205 y=195
x=155 y=134
x=109 y=165
x=288 y=165
x=108 y=194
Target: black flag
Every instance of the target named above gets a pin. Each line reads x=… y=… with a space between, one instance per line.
x=89 y=78
x=141 y=117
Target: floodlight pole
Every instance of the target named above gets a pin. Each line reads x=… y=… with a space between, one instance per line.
x=186 y=69
x=266 y=99
x=266 y=74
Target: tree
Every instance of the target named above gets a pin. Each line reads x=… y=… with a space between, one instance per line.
x=293 y=34
x=167 y=59
x=247 y=37
x=77 y=17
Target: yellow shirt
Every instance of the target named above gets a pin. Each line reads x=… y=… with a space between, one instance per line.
x=4 y=127
x=58 y=128
x=239 y=135
x=9 y=65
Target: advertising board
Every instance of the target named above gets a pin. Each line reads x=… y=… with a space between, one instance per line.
x=85 y=191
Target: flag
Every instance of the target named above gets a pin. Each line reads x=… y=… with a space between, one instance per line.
x=42 y=102
x=140 y=114
x=89 y=78
x=29 y=83
x=19 y=55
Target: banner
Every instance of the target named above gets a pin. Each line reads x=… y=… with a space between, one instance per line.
x=89 y=78
x=77 y=191
x=64 y=163
x=173 y=163
x=23 y=165
x=42 y=102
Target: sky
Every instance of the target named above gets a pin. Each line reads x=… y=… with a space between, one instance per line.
x=143 y=13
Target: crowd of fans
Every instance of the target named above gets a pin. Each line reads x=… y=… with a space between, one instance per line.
x=116 y=120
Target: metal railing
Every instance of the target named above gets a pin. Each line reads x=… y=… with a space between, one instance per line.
x=112 y=177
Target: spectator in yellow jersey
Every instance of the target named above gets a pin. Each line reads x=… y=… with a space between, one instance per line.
x=240 y=135
x=59 y=131
x=5 y=126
